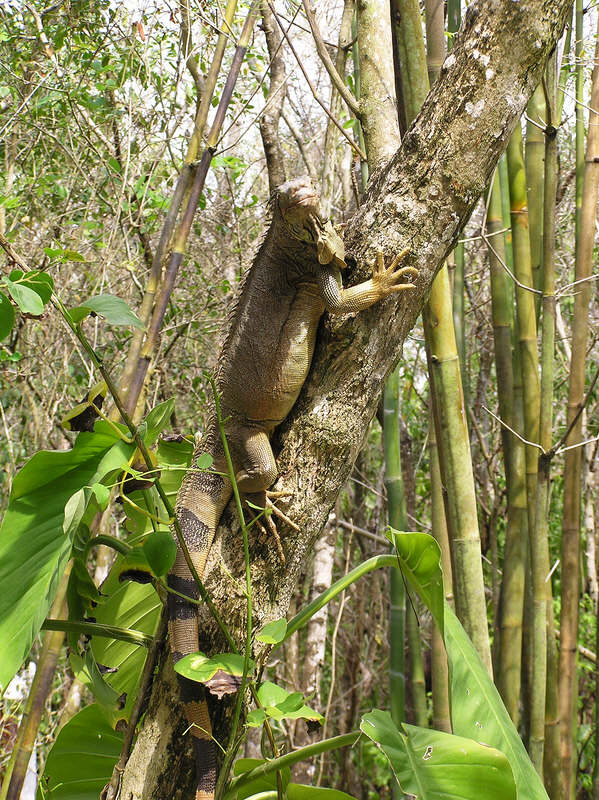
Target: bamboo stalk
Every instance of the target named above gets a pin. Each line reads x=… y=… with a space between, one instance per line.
x=440 y=669
x=16 y=770
x=508 y=653
x=446 y=384
x=456 y=467
x=330 y=159
x=396 y=513
x=182 y=233
x=525 y=312
x=539 y=541
x=573 y=458
x=534 y=166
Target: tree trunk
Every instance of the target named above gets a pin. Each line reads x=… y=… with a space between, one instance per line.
x=421 y=199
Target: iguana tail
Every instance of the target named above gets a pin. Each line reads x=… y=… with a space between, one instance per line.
x=200 y=503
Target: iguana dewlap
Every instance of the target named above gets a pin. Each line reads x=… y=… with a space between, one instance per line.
x=295 y=277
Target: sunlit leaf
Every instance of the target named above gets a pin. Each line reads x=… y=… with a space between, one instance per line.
x=160 y=549
x=7 y=316
x=82 y=758
x=432 y=765
x=34 y=549
x=273 y=632
x=113 y=309
x=28 y=301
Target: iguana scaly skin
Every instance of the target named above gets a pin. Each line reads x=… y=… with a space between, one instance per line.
x=295 y=277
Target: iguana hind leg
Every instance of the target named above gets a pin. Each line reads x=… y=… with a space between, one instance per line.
x=257 y=470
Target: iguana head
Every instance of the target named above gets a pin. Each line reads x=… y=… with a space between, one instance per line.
x=299 y=205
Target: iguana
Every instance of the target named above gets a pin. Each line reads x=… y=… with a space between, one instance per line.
x=294 y=278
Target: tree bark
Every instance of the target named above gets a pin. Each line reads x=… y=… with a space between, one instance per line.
x=421 y=199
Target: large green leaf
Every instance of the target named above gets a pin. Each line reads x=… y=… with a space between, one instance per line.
x=262 y=784
x=113 y=309
x=129 y=605
x=34 y=548
x=293 y=791
x=297 y=791
x=27 y=299
x=81 y=761
x=478 y=712
x=420 y=559
x=476 y=708
x=7 y=316
x=432 y=765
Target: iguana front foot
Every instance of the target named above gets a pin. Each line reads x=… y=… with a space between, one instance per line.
x=386 y=279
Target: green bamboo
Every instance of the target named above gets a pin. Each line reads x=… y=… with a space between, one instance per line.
x=458 y=302
x=456 y=466
x=435 y=54
x=525 y=312
x=16 y=769
x=551 y=744
x=539 y=541
x=396 y=513
x=573 y=462
x=535 y=158
x=407 y=34
x=508 y=650
x=402 y=620
x=440 y=670
x=454 y=19
x=446 y=384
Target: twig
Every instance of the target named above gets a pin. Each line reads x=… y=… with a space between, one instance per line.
x=354 y=146
x=336 y=79
x=579 y=411
x=520 y=285
x=511 y=430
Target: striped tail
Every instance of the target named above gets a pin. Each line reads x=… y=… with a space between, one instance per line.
x=200 y=503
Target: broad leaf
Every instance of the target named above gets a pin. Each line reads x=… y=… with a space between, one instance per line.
x=273 y=632
x=265 y=784
x=113 y=309
x=81 y=761
x=40 y=282
x=198 y=667
x=157 y=420
x=34 y=549
x=28 y=301
x=420 y=558
x=297 y=791
x=477 y=709
x=432 y=765
x=160 y=550
x=7 y=316
x=278 y=703
x=204 y=461
x=129 y=605
x=478 y=712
